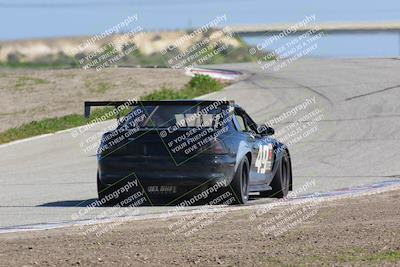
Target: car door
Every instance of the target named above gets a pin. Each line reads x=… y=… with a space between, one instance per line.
x=255 y=142
x=262 y=153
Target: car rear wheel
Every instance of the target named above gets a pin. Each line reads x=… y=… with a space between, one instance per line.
x=102 y=191
x=280 y=182
x=240 y=182
x=100 y=188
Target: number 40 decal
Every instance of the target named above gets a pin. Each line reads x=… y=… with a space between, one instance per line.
x=264 y=158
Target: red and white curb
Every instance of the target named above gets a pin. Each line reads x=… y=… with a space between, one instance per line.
x=219 y=74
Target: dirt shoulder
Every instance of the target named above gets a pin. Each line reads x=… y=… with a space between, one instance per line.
x=34 y=94
x=357 y=232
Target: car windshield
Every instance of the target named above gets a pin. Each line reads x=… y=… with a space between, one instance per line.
x=183 y=116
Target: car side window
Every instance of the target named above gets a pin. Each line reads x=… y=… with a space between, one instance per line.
x=242 y=123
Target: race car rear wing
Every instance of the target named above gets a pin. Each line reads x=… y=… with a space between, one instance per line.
x=118 y=104
x=115 y=104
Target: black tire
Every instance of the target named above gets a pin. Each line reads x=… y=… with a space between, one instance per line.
x=240 y=182
x=102 y=192
x=281 y=182
x=100 y=188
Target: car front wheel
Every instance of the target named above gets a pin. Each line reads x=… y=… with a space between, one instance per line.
x=281 y=181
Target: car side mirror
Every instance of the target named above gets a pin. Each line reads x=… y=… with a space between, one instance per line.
x=266 y=130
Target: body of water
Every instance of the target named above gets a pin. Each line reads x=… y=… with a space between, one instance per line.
x=345 y=45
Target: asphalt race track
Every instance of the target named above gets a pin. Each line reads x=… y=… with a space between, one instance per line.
x=356 y=142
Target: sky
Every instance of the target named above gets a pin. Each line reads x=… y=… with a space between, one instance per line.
x=25 y=19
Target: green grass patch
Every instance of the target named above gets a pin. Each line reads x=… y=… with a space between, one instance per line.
x=198 y=85
x=50 y=125
x=38 y=65
x=103 y=87
x=25 y=81
x=57 y=61
x=100 y=87
x=41 y=127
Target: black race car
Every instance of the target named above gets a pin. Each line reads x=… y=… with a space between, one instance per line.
x=174 y=149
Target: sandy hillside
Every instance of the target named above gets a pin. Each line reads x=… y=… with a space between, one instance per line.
x=147 y=42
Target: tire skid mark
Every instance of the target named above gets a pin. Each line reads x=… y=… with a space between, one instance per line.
x=315 y=92
x=373 y=92
x=303 y=87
